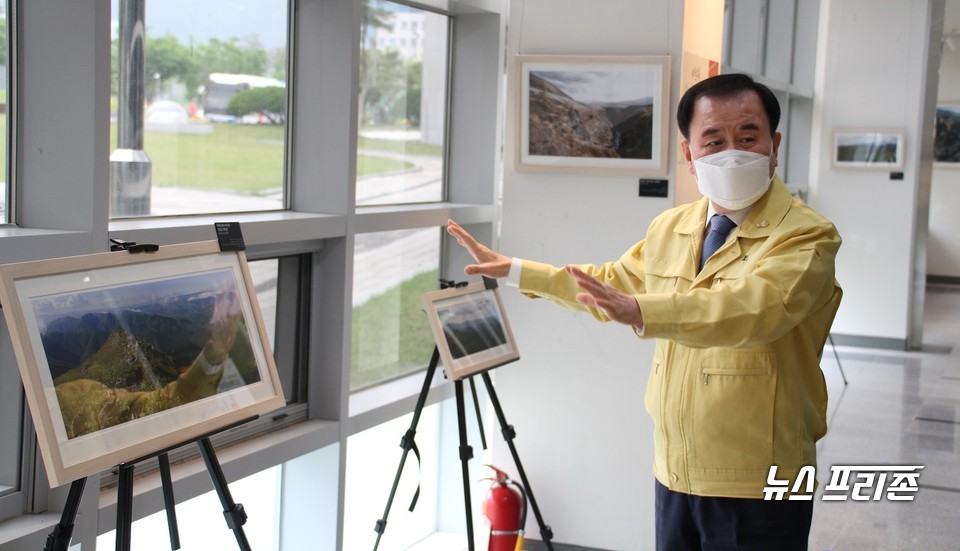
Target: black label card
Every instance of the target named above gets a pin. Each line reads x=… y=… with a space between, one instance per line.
x=229 y=236
x=653 y=188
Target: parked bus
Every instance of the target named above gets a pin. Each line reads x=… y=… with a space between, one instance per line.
x=220 y=87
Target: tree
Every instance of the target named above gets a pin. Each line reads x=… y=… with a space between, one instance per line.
x=386 y=81
x=166 y=59
x=233 y=56
x=373 y=17
x=3 y=41
x=278 y=61
x=270 y=101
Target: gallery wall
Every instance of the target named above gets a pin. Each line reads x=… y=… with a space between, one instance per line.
x=943 y=243
x=873 y=66
x=576 y=395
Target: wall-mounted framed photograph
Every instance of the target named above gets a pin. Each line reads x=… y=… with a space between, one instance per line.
x=124 y=355
x=601 y=114
x=868 y=148
x=471 y=329
x=946 y=141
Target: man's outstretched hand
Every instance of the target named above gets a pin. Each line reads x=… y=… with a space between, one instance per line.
x=489 y=263
x=615 y=304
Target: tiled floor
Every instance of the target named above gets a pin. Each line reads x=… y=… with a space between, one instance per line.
x=899 y=408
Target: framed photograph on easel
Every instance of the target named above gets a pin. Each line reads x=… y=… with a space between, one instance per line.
x=123 y=355
x=471 y=329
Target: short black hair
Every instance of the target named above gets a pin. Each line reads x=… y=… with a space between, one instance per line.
x=724 y=86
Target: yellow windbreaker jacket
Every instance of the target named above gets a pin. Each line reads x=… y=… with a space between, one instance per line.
x=735 y=385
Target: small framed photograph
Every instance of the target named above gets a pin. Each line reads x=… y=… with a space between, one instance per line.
x=471 y=329
x=946 y=141
x=864 y=148
x=124 y=355
x=604 y=114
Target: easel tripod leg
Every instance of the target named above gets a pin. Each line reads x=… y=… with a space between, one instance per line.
x=124 y=507
x=509 y=434
x=232 y=512
x=168 y=501
x=59 y=539
x=408 y=443
x=466 y=453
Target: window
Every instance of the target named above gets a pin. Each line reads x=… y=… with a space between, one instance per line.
x=372 y=460
x=12 y=423
x=403 y=106
x=5 y=64
x=11 y=406
x=391 y=335
x=198 y=107
x=201 y=522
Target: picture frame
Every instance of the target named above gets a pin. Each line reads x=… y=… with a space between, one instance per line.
x=592 y=114
x=868 y=148
x=471 y=329
x=946 y=141
x=125 y=355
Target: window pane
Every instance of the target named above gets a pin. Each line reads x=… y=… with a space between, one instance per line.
x=403 y=105
x=4 y=62
x=201 y=522
x=198 y=107
x=372 y=460
x=391 y=335
x=264 y=276
x=266 y=281
x=11 y=406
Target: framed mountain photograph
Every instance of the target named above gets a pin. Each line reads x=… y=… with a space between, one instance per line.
x=124 y=355
x=606 y=114
x=946 y=141
x=868 y=148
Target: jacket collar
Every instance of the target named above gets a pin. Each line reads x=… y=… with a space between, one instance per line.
x=766 y=214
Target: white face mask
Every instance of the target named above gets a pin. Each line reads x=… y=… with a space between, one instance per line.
x=733 y=179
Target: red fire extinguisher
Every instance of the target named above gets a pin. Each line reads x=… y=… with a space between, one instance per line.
x=505 y=506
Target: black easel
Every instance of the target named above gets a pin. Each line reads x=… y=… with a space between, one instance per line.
x=466 y=451
x=59 y=539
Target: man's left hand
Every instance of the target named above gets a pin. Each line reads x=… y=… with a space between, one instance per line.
x=614 y=303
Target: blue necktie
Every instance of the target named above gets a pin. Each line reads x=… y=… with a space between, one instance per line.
x=720 y=226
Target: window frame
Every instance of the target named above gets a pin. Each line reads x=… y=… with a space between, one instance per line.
x=286 y=203
x=448 y=98
x=321 y=219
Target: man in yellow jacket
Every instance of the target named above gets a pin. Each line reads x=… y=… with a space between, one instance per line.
x=738 y=289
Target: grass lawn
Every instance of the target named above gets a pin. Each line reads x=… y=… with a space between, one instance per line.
x=391 y=334
x=246 y=158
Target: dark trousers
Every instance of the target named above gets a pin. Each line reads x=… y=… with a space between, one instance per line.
x=689 y=522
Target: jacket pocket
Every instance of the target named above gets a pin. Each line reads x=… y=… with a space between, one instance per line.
x=652 y=402
x=651 y=396
x=733 y=407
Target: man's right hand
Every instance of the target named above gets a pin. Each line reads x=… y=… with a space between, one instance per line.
x=489 y=263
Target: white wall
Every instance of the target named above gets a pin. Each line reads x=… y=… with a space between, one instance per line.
x=871 y=70
x=576 y=395
x=943 y=243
